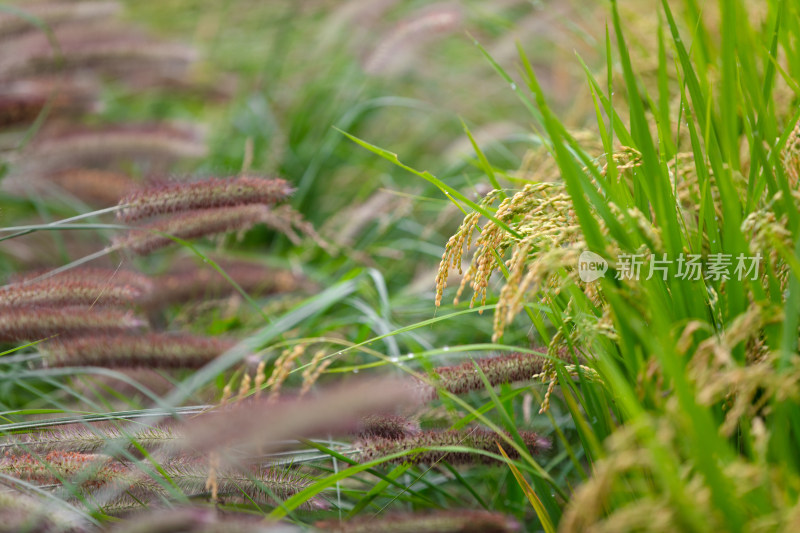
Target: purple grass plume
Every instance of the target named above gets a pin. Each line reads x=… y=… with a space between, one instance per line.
x=150 y=237
x=118 y=277
x=22 y=101
x=205 y=194
x=106 y=148
x=33 y=323
x=464 y=377
x=83 y=438
x=480 y=440
x=187 y=282
x=129 y=350
x=113 y=483
x=387 y=427
x=65 y=291
x=98 y=188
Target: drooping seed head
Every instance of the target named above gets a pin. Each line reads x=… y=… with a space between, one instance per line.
x=179 y=197
x=56 y=466
x=791 y=156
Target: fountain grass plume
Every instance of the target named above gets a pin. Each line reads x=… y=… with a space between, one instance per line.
x=57 y=466
x=118 y=277
x=155 y=235
x=98 y=46
x=106 y=147
x=33 y=323
x=23 y=100
x=387 y=427
x=150 y=237
x=262 y=485
x=210 y=193
x=111 y=482
x=465 y=377
x=57 y=292
x=91 y=439
x=129 y=350
x=100 y=188
x=477 y=439
x=186 y=283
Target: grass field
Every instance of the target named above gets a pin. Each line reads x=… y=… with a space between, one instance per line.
x=399 y=266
